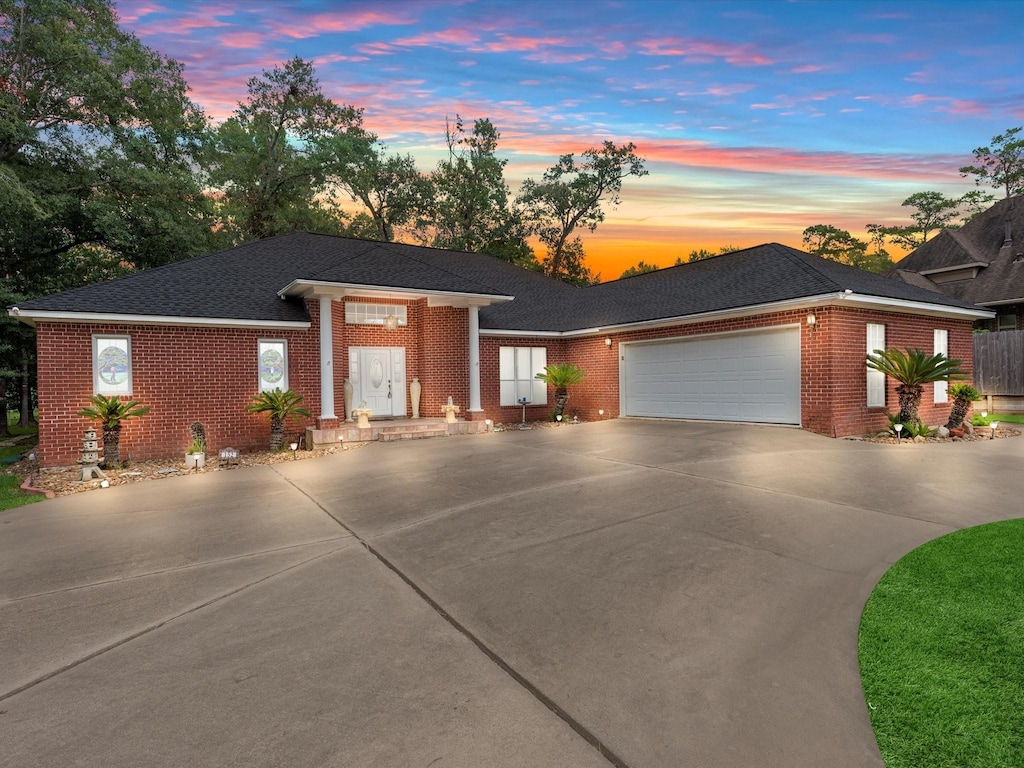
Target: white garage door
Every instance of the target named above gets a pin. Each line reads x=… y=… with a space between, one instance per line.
x=742 y=377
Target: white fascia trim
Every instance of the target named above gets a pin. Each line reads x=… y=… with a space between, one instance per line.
x=825 y=299
x=971 y=265
x=1000 y=303
x=31 y=317
x=338 y=290
x=918 y=307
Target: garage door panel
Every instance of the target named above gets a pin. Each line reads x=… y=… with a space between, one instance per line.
x=744 y=377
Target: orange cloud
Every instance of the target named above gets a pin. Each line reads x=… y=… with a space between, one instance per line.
x=248 y=40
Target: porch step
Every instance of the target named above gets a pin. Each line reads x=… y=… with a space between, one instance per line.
x=410 y=432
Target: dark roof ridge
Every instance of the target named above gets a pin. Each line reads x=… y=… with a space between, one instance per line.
x=797 y=257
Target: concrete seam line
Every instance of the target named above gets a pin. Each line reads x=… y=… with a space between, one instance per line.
x=176 y=569
x=581 y=730
x=154 y=627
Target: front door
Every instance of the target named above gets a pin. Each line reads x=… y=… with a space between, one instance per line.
x=379 y=378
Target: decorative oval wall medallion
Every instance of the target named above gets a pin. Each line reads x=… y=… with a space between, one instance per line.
x=376 y=373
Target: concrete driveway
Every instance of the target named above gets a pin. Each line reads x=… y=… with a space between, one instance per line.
x=679 y=594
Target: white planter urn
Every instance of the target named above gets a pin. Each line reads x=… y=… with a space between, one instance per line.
x=195 y=460
x=415 y=389
x=349 y=394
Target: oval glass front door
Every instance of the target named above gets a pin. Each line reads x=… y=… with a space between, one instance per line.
x=376 y=373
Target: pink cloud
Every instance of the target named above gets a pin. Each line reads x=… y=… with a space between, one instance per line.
x=130 y=12
x=967 y=107
x=456 y=37
x=704 y=50
x=376 y=49
x=806 y=69
x=241 y=40
x=556 y=57
x=516 y=43
x=300 y=27
x=334 y=58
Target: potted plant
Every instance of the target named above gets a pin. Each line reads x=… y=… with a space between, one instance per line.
x=195 y=456
x=112 y=412
x=561 y=376
x=279 y=406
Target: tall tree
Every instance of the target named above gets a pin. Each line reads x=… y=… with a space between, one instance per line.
x=98 y=144
x=470 y=210
x=1001 y=164
x=571 y=194
x=271 y=159
x=932 y=211
x=839 y=245
x=393 y=192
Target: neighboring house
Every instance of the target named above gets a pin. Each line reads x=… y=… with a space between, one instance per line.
x=769 y=334
x=981 y=263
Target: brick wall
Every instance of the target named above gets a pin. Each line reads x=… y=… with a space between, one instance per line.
x=183 y=374
x=833 y=393
x=490 y=385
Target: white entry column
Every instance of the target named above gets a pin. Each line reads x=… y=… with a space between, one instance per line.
x=474 y=358
x=326 y=359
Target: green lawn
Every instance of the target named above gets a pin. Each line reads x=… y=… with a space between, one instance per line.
x=11 y=496
x=942 y=652
x=1002 y=418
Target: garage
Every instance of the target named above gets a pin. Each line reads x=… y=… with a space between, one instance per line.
x=753 y=376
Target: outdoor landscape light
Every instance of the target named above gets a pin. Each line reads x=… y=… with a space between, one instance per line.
x=558 y=417
x=984 y=414
x=898 y=428
x=294 y=447
x=600 y=411
x=995 y=426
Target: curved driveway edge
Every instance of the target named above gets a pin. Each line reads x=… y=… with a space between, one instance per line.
x=688 y=594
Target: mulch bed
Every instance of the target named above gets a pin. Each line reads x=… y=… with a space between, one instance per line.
x=981 y=433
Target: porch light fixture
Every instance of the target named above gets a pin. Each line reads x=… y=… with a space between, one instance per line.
x=608 y=342
x=391 y=322
x=600 y=411
x=812 y=320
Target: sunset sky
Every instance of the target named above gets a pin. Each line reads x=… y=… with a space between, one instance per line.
x=757 y=119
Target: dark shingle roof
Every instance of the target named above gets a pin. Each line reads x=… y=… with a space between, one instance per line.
x=980 y=240
x=243 y=283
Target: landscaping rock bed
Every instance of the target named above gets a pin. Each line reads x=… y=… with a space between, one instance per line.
x=980 y=433
x=64 y=481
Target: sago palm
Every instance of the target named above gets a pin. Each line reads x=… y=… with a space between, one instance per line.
x=561 y=376
x=112 y=412
x=963 y=395
x=278 y=406
x=913 y=369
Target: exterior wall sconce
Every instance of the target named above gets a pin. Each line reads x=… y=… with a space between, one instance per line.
x=812 y=320
x=391 y=323
x=608 y=342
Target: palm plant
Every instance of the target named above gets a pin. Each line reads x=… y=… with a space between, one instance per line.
x=562 y=376
x=112 y=412
x=913 y=369
x=279 y=406
x=963 y=395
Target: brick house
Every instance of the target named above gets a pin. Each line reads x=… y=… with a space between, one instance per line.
x=769 y=334
x=982 y=263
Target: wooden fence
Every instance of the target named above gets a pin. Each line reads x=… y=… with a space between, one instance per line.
x=999 y=363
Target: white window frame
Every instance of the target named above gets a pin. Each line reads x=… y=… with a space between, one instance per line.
x=272 y=345
x=365 y=313
x=517 y=374
x=875 y=379
x=100 y=342
x=941 y=347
